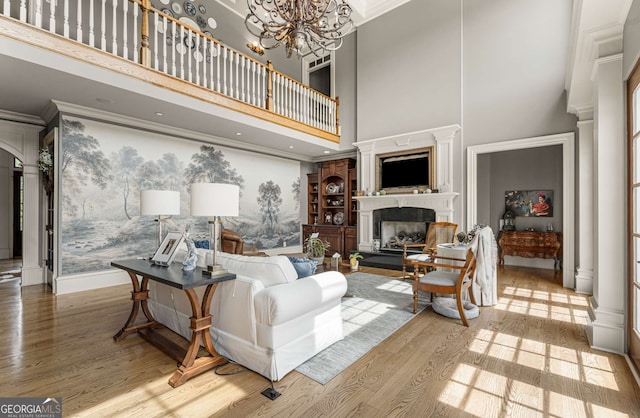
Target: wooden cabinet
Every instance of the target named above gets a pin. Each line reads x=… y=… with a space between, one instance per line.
x=342 y=239
x=530 y=244
x=331 y=210
x=335 y=190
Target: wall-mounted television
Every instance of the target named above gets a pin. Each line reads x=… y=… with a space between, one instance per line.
x=403 y=172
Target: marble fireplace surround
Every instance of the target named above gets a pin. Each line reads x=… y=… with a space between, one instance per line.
x=441 y=203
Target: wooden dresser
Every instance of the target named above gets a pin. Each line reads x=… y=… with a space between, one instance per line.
x=530 y=244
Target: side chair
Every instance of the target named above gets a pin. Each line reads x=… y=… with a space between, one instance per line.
x=437 y=233
x=448 y=278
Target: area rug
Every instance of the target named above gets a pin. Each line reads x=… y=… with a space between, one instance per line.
x=373 y=309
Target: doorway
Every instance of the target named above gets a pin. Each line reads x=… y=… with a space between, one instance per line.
x=319 y=73
x=568 y=197
x=18 y=209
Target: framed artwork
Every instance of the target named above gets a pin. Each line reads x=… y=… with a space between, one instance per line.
x=167 y=251
x=529 y=203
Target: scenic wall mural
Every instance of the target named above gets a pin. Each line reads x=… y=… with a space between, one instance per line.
x=104 y=167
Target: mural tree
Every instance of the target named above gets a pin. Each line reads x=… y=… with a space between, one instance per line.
x=269 y=202
x=295 y=189
x=149 y=175
x=125 y=163
x=210 y=166
x=82 y=161
x=172 y=170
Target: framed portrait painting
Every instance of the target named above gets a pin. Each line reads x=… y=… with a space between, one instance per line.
x=529 y=203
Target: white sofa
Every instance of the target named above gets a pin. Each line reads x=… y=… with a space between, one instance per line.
x=266 y=319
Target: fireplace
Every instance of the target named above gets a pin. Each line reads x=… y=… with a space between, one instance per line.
x=397 y=226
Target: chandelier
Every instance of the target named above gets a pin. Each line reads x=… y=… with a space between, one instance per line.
x=317 y=24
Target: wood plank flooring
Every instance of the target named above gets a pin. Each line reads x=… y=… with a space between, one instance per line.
x=526 y=357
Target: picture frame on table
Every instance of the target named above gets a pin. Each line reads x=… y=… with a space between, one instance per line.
x=166 y=252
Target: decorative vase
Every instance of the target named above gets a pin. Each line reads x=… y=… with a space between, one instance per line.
x=354 y=265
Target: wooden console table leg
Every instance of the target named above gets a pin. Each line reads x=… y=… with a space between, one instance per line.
x=192 y=365
x=139 y=296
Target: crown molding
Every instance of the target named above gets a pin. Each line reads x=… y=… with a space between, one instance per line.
x=21 y=118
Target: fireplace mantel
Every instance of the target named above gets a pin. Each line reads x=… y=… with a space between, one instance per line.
x=441 y=203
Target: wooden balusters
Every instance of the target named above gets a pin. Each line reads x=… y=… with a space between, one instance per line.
x=65 y=19
x=145 y=51
x=103 y=24
x=52 y=15
x=79 y=21
x=125 y=18
x=92 y=35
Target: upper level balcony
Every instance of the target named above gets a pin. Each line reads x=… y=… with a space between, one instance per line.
x=136 y=50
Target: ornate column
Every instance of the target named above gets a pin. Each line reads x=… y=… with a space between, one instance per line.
x=584 y=271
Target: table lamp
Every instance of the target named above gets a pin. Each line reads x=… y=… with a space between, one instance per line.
x=214 y=200
x=159 y=203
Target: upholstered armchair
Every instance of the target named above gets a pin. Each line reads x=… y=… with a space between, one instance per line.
x=232 y=243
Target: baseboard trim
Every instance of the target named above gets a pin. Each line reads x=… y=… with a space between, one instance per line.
x=90 y=281
x=633 y=369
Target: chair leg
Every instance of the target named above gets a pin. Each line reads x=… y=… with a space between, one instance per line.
x=415 y=301
x=461 y=310
x=471 y=295
x=404 y=272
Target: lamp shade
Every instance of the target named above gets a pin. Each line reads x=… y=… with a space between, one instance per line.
x=159 y=202
x=215 y=199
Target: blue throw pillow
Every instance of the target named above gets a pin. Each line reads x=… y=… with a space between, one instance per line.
x=304 y=267
x=202 y=244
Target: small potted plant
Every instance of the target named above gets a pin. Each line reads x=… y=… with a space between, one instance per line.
x=353 y=260
x=316 y=248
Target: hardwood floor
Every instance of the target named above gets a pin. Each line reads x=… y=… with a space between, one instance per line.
x=526 y=357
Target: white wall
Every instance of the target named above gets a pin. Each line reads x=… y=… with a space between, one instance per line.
x=514 y=64
x=409 y=69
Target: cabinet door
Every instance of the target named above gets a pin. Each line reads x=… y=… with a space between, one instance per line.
x=335 y=238
x=350 y=241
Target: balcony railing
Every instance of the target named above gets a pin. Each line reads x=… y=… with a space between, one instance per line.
x=135 y=31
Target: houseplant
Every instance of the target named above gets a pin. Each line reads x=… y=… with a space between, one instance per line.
x=316 y=248
x=353 y=260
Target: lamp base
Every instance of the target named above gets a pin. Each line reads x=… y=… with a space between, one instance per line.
x=214 y=270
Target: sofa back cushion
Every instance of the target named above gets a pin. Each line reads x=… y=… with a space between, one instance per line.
x=269 y=270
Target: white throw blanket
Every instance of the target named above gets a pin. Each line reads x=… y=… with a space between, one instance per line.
x=485 y=248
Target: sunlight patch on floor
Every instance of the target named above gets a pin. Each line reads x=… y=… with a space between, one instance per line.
x=397 y=286
x=361 y=313
x=548 y=310
x=482 y=393
x=562 y=361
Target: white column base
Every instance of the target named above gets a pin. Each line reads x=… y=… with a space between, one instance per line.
x=32 y=276
x=605 y=328
x=584 y=281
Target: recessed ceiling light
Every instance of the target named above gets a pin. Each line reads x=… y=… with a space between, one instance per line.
x=327 y=152
x=239 y=133
x=159 y=114
x=104 y=100
x=290 y=146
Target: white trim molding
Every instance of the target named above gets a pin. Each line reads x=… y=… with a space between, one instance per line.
x=568 y=186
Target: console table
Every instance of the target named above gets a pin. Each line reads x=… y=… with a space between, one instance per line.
x=189 y=364
x=530 y=244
